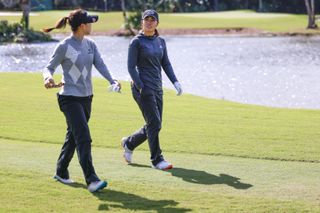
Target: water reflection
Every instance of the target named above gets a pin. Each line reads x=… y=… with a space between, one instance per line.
x=275 y=71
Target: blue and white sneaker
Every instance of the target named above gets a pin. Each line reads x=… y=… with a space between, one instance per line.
x=97 y=185
x=63 y=180
x=127 y=154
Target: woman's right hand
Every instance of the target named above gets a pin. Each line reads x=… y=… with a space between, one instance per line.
x=49 y=83
x=133 y=85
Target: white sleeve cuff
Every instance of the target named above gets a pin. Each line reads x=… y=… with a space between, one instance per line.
x=46 y=74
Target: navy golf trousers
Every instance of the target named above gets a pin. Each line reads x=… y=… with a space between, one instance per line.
x=77 y=111
x=150 y=103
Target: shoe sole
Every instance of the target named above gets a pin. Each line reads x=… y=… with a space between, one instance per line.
x=167 y=168
x=103 y=185
x=164 y=169
x=125 y=159
x=61 y=181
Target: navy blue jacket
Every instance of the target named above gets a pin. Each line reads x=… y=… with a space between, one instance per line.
x=146 y=56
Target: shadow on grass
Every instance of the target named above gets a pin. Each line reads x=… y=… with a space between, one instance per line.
x=202 y=177
x=128 y=201
x=77 y=185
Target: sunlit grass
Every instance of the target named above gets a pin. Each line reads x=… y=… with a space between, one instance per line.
x=274 y=22
x=215 y=127
x=198 y=183
x=201 y=137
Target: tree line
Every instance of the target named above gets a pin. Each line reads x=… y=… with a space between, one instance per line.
x=284 y=6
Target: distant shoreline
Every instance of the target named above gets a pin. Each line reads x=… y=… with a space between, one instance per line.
x=213 y=31
x=229 y=23
x=5 y=14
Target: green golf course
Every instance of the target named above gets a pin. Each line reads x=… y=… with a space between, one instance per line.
x=270 y=22
x=227 y=157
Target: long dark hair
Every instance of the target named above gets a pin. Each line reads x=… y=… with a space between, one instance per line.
x=74 y=20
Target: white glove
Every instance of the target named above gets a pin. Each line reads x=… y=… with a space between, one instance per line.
x=178 y=87
x=115 y=87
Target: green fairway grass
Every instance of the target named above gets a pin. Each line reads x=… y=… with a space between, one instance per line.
x=29 y=112
x=228 y=157
x=231 y=19
x=198 y=183
x=273 y=22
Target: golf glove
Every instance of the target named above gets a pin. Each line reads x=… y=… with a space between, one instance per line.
x=178 y=87
x=115 y=87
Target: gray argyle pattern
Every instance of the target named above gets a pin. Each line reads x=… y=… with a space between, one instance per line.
x=76 y=58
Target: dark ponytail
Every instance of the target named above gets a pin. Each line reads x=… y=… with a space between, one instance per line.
x=59 y=25
x=75 y=19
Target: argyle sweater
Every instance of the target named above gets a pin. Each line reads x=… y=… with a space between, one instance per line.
x=76 y=58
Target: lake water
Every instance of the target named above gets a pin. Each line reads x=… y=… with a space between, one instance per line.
x=270 y=71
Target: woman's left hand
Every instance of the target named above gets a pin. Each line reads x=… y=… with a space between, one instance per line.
x=178 y=87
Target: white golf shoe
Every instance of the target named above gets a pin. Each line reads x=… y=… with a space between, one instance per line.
x=63 y=180
x=97 y=185
x=127 y=154
x=163 y=165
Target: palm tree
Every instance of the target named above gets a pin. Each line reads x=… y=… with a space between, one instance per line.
x=125 y=17
x=26 y=8
x=216 y=5
x=260 y=5
x=9 y=3
x=311 y=14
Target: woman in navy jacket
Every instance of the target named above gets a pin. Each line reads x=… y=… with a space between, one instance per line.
x=146 y=58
